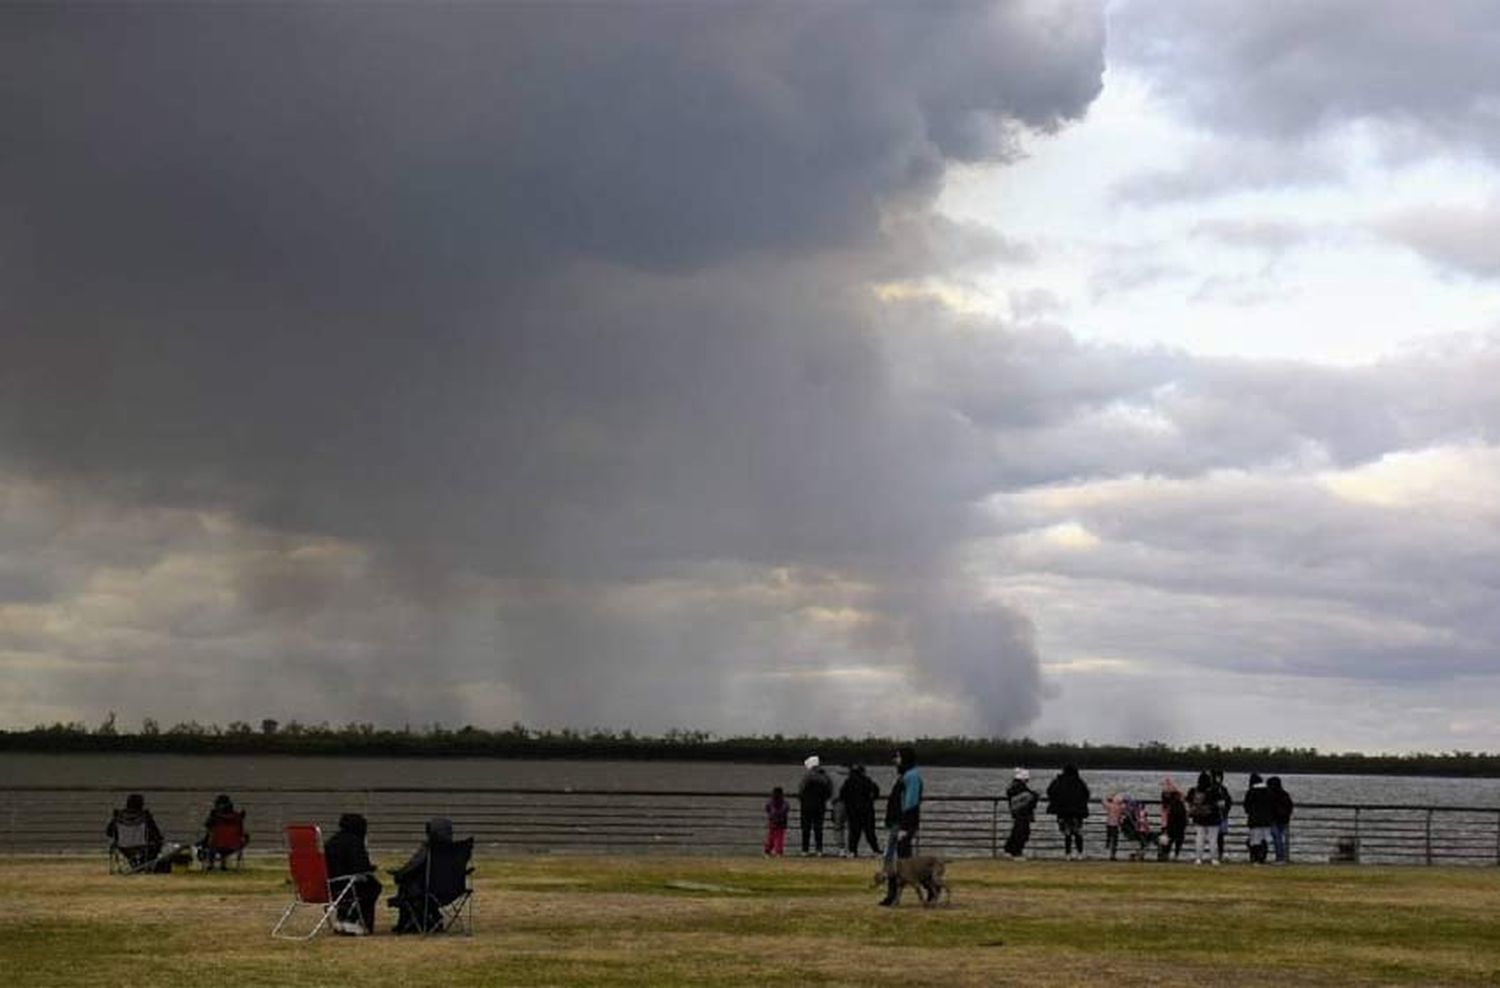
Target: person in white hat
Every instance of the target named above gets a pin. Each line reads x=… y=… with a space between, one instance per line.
x=1022 y=800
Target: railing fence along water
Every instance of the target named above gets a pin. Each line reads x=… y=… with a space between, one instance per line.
x=63 y=819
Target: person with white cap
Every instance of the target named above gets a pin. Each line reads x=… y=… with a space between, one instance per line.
x=1022 y=800
x=813 y=794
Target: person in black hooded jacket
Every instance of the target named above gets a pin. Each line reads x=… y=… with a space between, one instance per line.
x=411 y=878
x=1281 y=811
x=1068 y=800
x=349 y=861
x=133 y=831
x=859 y=793
x=1260 y=816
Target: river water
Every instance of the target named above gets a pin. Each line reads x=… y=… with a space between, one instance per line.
x=229 y=773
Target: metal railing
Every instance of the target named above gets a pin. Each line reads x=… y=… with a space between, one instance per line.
x=63 y=819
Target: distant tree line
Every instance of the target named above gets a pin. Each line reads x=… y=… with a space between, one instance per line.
x=272 y=737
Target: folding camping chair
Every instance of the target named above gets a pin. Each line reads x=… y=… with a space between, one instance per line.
x=311 y=886
x=445 y=903
x=132 y=852
x=226 y=838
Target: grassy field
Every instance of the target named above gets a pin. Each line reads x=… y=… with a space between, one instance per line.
x=553 y=920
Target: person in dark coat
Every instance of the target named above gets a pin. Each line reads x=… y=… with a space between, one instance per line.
x=903 y=817
x=134 y=833
x=859 y=794
x=349 y=859
x=1203 y=810
x=1226 y=803
x=1022 y=800
x=411 y=878
x=223 y=833
x=1259 y=817
x=813 y=794
x=1281 y=815
x=1068 y=800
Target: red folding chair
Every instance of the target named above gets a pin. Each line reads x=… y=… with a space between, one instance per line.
x=310 y=885
x=226 y=838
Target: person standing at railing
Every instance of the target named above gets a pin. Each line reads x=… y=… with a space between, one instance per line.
x=1259 y=818
x=1068 y=800
x=859 y=793
x=813 y=794
x=1203 y=810
x=1281 y=815
x=777 y=812
x=838 y=813
x=1114 y=809
x=1022 y=800
x=903 y=816
x=1225 y=803
x=1174 y=820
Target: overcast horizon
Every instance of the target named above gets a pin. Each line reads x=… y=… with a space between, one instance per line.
x=1108 y=372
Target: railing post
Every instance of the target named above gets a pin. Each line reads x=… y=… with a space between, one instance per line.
x=1357 y=845
x=1429 y=835
x=1497 y=838
x=995 y=827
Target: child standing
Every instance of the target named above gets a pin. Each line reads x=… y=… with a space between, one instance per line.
x=1174 y=819
x=1114 y=808
x=777 y=811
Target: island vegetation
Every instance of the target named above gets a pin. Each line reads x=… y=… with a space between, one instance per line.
x=273 y=737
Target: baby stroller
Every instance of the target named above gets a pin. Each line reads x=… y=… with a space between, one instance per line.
x=1135 y=827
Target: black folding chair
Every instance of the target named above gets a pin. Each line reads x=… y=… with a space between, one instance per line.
x=446 y=902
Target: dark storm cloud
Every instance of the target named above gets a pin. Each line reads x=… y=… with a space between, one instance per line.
x=550 y=292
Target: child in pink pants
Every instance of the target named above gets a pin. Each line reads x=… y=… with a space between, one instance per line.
x=777 y=811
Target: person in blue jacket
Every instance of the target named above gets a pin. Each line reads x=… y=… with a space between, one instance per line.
x=903 y=815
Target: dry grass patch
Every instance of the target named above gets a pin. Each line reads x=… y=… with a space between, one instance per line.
x=559 y=920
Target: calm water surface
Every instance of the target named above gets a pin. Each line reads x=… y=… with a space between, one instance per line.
x=229 y=773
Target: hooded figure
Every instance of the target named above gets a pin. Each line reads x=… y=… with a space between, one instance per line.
x=133 y=831
x=1281 y=812
x=859 y=793
x=1068 y=800
x=903 y=815
x=813 y=794
x=349 y=861
x=224 y=832
x=411 y=878
x=1260 y=816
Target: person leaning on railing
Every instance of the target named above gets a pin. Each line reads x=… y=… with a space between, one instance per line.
x=1281 y=812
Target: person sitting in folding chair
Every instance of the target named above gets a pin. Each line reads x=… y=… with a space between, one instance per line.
x=224 y=835
x=135 y=841
x=432 y=888
x=349 y=861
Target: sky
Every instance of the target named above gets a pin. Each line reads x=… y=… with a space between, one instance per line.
x=1108 y=372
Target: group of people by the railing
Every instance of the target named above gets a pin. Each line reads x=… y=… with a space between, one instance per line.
x=1206 y=806
x=853 y=807
x=850 y=806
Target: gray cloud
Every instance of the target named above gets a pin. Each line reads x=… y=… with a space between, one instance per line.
x=1288 y=70
x=1459 y=240
x=1228 y=165
x=479 y=297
